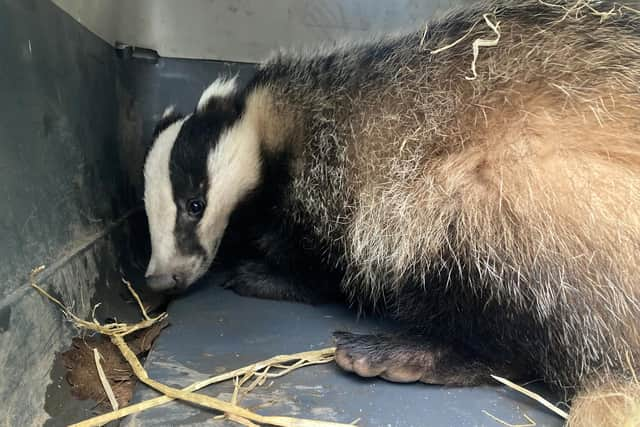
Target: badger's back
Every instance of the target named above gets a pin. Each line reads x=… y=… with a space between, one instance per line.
x=520 y=185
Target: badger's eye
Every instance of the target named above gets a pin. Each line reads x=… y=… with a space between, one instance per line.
x=195 y=207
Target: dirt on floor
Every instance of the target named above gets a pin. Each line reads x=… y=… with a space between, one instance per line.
x=82 y=373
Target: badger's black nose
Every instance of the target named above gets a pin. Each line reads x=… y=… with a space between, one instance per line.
x=169 y=283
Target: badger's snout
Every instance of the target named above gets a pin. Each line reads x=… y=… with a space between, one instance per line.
x=168 y=283
x=176 y=274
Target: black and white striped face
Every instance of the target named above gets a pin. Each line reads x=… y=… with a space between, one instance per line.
x=199 y=168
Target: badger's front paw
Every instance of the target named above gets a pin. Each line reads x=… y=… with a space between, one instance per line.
x=255 y=279
x=381 y=356
x=406 y=359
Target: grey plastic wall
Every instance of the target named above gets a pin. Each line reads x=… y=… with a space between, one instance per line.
x=245 y=30
x=65 y=194
x=74 y=124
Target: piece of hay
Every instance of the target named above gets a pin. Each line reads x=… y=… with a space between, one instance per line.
x=212 y=402
x=103 y=380
x=475 y=46
x=535 y=396
x=449 y=46
x=111 y=329
x=117 y=332
x=424 y=34
x=242 y=421
x=478 y=43
x=577 y=10
x=531 y=422
x=286 y=364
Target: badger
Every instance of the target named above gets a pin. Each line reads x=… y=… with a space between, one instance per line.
x=476 y=180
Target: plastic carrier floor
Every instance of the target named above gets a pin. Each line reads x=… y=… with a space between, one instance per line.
x=213 y=331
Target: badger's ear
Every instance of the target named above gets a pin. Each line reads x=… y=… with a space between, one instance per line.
x=171 y=109
x=169 y=116
x=219 y=95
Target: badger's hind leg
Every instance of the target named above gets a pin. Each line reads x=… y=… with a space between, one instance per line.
x=412 y=358
x=614 y=403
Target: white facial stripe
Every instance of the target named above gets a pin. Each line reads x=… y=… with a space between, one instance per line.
x=234 y=170
x=158 y=199
x=222 y=87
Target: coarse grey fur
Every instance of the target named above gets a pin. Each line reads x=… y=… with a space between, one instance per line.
x=492 y=197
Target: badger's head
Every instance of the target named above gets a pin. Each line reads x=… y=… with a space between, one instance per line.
x=199 y=168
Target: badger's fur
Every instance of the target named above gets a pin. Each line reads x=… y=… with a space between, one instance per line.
x=501 y=209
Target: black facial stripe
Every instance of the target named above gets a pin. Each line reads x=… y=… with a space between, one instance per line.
x=188 y=170
x=162 y=124
x=187 y=241
x=165 y=122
